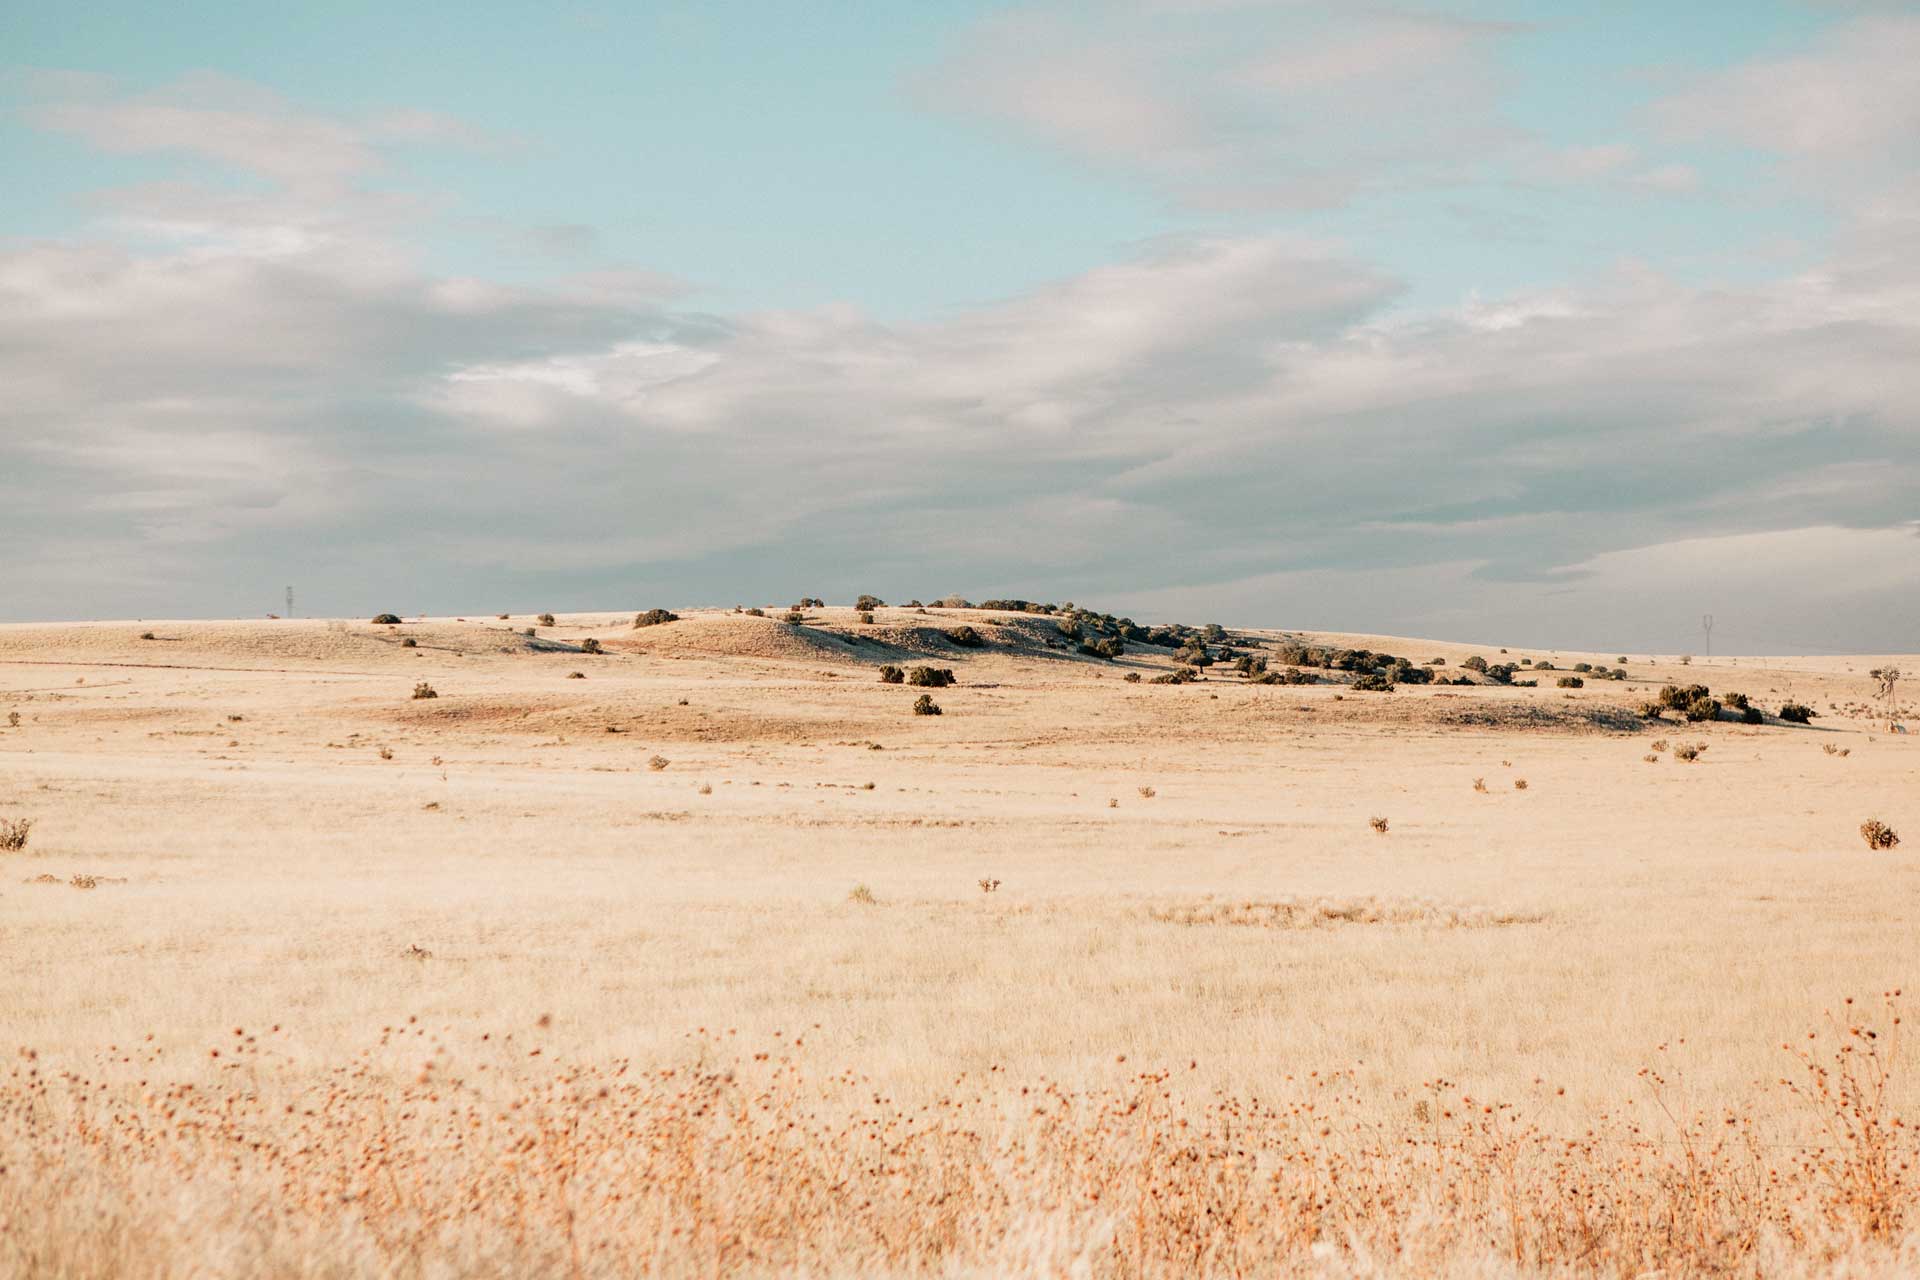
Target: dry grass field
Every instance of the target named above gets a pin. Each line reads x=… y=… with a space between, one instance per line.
x=719 y=961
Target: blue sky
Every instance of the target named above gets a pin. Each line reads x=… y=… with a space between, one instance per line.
x=1139 y=293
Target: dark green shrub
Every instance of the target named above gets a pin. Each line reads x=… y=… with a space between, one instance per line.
x=655 y=617
x=1751 y=715
x=1796 y=713
x=545 y=619
x=1404 y=672
x=590 y=645
x=409 y=643
x=1372 y=684
x=1652 y=710
x=1703 y=709
x=756 y=612
x=1476 y=663
x=424 y=690
x=1738 y=701
x=387 y=620
x=1133 y=677
x=924 y=705
x=966 y=638
x=794 y=618
x=1571 y=682
x=866 y=618
x=1676 y=698
x=1543 y=666
x=930 y=677
x=891 y=674
x=1181 y=675
x=867 y=604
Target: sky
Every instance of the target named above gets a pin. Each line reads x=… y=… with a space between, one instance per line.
x=1545 y=324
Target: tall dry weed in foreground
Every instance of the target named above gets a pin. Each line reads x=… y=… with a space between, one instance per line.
x=417 y=1158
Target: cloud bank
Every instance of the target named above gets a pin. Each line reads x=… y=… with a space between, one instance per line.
x=217 y=388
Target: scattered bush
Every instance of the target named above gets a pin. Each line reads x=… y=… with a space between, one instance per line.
x=657 y=763
x=1476 y=663
x=576 y=675
x=1147 y=793
x=1571 y=682
x=1132 y=677
x=924 y=705
x=1519 y=784
x=1659 y=744
x=1651 y=759
x=1687 y=752
x=590 y=645
x=1652 y=710
x=148 y=635
x=392 y=619
x=13 y=719
x=891 y=674
x=1703 y=709
x=545 y=619
x=1373 y=684
x=1796 y=713
x=867 y=604
x=1751 y=715
x=756 y=612
x=1180 y=675
x=866 y=617
x=1378 y=824
x=1542 y=665
x=1677 y=698
x=794 y=618
x=1480 y=785
x=1878 y=834
x=655 y=617
x=966 y=638
x=424 y=690
x=862 y=896
x=13 y=834
x=1583 y=667
x=1738 y=701
x=409 y=643
x=930 y=677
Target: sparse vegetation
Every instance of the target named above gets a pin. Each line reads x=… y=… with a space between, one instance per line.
x=660 y=617
x=965 y=637
x=1688 y=752
x=392 y=619
x=148 y=635
x=930 y=677
x=1878 y=834
x=657 y=763
x=1571 y=682
x=867 y=604
x=1378 y=824
x=862 y=896
x=924 y=705
x=13 y=834
x=1797 y=713
x=424 y=690
x=590 y=645
x=545 y=619
x=409 y=643
x=891 y=674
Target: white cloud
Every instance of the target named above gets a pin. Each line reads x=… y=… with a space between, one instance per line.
x=205 y=398
x=1253 y=105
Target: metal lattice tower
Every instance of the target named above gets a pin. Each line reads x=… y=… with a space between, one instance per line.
x=1706 y=625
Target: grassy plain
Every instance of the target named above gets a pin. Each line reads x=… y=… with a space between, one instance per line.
x=307 y=884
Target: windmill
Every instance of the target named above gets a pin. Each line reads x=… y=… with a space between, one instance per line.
x=1706 y=628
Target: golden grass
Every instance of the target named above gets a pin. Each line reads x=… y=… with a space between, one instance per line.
x=448 y=1153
